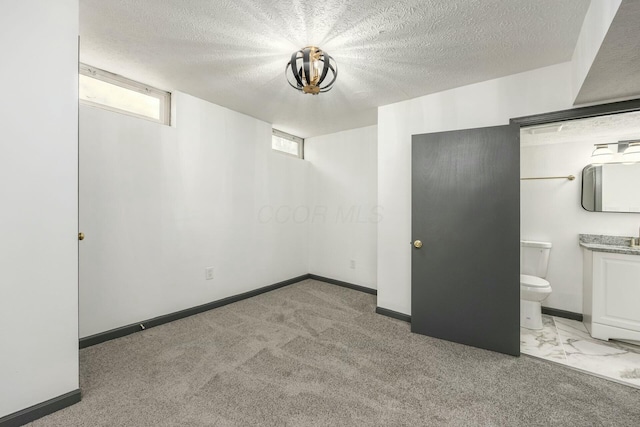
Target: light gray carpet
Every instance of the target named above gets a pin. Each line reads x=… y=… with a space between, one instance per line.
x=315 y=354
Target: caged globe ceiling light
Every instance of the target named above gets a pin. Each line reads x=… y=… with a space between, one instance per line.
x=309 y=68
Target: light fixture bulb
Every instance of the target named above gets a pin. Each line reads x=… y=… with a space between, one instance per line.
x=632 y=153
x=633 y=148
x=602 y=154
x=311 y=71
x=602 y=150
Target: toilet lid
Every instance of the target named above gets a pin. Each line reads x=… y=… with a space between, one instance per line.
x=533 y=281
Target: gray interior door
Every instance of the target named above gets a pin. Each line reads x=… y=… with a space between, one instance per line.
x=465 y=279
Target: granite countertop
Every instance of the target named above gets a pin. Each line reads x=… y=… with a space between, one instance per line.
x=613 y=244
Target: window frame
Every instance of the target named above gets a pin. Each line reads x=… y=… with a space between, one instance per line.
x=289 y=137
x=164 y=97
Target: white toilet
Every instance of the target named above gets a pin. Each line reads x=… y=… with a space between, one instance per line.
x=534 y=260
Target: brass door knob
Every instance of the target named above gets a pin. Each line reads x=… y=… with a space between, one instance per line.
x=417 y=244
x=80 y=236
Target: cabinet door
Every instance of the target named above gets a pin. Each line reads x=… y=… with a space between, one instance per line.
x=616 y=290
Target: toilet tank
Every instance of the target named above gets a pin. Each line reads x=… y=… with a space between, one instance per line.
x=534 y=258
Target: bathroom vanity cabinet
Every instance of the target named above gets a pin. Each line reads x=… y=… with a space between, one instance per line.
x=611 y=299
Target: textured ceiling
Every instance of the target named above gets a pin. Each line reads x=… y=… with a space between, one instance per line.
x=598 y=130
x=233 y=53
x=615 y=73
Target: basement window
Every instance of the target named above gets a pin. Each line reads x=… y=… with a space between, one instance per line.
x=287 y=144
x=112 y=92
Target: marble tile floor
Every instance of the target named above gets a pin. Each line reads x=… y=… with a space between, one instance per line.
x=568 y=342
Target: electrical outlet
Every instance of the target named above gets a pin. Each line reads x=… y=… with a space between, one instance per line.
x=208 y=273
x=352 y=264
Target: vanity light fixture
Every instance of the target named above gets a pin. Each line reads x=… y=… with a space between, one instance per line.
x=626 y=151
x=308 y=70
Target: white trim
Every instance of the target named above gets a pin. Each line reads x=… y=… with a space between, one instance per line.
x=293 y=138
x=163 y=96
x=285 y=135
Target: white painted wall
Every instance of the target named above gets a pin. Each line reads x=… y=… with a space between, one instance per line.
x=343 y=212
x=594 y=29
x=483 y=104
x=158 y=204
x=38 y=218
x=551 y=211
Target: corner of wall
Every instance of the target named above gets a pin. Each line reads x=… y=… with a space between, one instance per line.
x=594 y=29
x=39 y=170
x=343 y=196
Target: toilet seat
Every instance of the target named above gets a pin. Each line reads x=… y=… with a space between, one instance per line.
x=533 y=281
